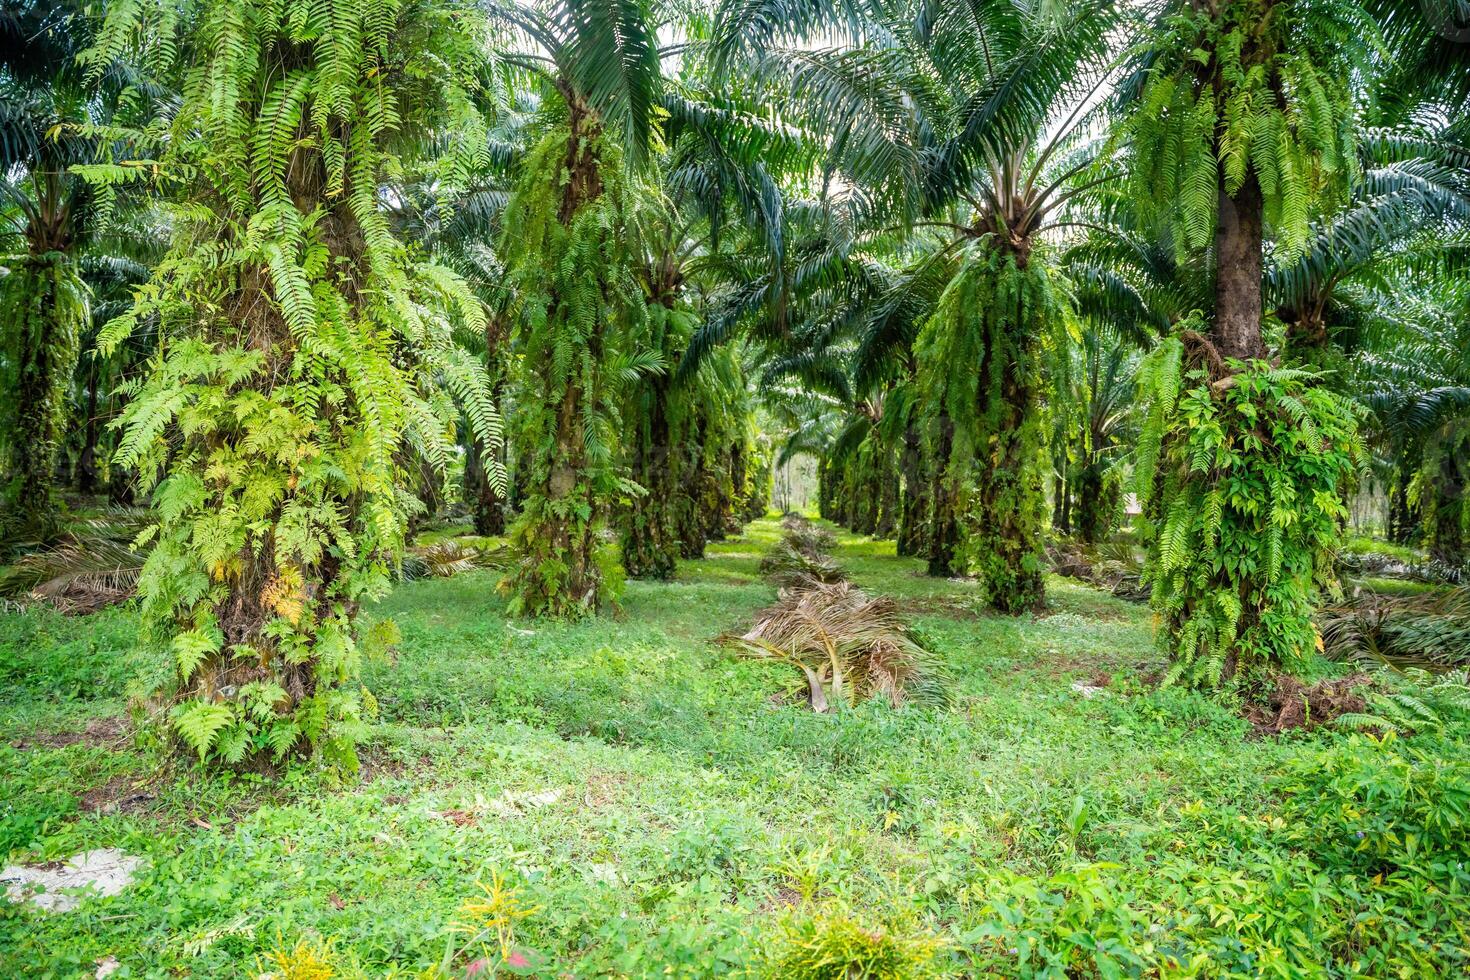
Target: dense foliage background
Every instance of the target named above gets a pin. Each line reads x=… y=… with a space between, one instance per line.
x=1122 y=348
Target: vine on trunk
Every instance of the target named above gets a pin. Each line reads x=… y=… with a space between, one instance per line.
x=1242 y=469
x=577 y=303
x=977 y=366
x=44 y=306
x=303 y=349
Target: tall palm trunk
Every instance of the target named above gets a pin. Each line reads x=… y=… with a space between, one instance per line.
x=914 y=519
x=87 y=460
x=1008 y=502
x=1238 y=303
x=1448 y=537
x=887 y=495
x=650 y=539
x=487 y=508
x=43 y=306
x=1403 y=523
x=1093 y=508
x=559 y=573
x=944 y=497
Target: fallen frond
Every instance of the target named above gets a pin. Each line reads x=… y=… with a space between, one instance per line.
x=448 y=558
x=849 y=646
x=789 y=565
x=79 y=576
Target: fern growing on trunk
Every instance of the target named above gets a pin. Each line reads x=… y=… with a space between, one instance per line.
x=977 y=380
x=44 y=305
x=302 y=348
x=577 y=305
x=1243 y=123
x=1242 y=469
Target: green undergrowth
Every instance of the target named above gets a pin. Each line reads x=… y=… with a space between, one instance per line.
x=659 y=808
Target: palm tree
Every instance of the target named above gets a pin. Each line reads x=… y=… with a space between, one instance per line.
x=1241 y=119
x=1091 y=417
x=303 y=353
x=456 y=213
x=576 y=301
x=689 y=447
x=944 y=121
x=1414 y=188
x=1413 y=372
x=46 y=111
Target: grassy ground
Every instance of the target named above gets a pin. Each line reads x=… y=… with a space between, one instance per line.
x=659 y=812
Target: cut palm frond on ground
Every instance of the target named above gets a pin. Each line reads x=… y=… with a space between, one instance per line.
x=79 y=576
x=789 y=565
x=849 y=646
x=1428 y=629
x=447 y=558
x=807 y=535
x=802 y=557
x=1112 y=565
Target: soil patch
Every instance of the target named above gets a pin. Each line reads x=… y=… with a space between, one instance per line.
x=118 y=795
x=99 y=731
x=1296 y=705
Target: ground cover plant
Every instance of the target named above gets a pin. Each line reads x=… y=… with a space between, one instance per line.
x=644 y=807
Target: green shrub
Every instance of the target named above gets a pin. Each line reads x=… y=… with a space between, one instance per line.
x=835 y=946
x=1380 y=807
x=1075 y=923
x=1242 y=467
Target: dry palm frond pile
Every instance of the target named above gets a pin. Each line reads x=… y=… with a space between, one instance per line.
x=79 y=576
x=808 y=535
x=803 y=555
x=1113 y=565
x=1413 y=702
x=1431 y=629
x=452 y=557
x=849 y=646
x=97 y=567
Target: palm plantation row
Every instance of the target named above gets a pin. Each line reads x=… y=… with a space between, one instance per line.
x=614 y=261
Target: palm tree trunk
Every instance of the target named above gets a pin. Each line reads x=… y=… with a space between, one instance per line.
x=913 y=521
x=650 y=544
x=1092 y=507
x=487 y=509
x=944 y=524
x=559 y=574
x=44 y=321
x=887 y=496
x=87 y=461
x=1009 y=503
x=1238 y=237
x=1403 y=523
x=1448 y=537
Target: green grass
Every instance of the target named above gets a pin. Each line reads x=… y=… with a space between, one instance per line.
x=700 y=828
x=1359 y=544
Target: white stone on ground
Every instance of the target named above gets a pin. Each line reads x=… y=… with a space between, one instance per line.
x=106 y=871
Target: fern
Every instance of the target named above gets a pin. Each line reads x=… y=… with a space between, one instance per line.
x=977 y=364
x=1247 y=89
x=302 y=347
x=1243 y=483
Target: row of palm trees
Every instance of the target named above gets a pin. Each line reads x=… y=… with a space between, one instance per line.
x=929 y=242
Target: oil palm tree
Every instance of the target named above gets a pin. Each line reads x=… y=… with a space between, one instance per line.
x=303 y=349
x=948 y=119
x=1413 y=372
x=569 y=259
x=47 y=113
